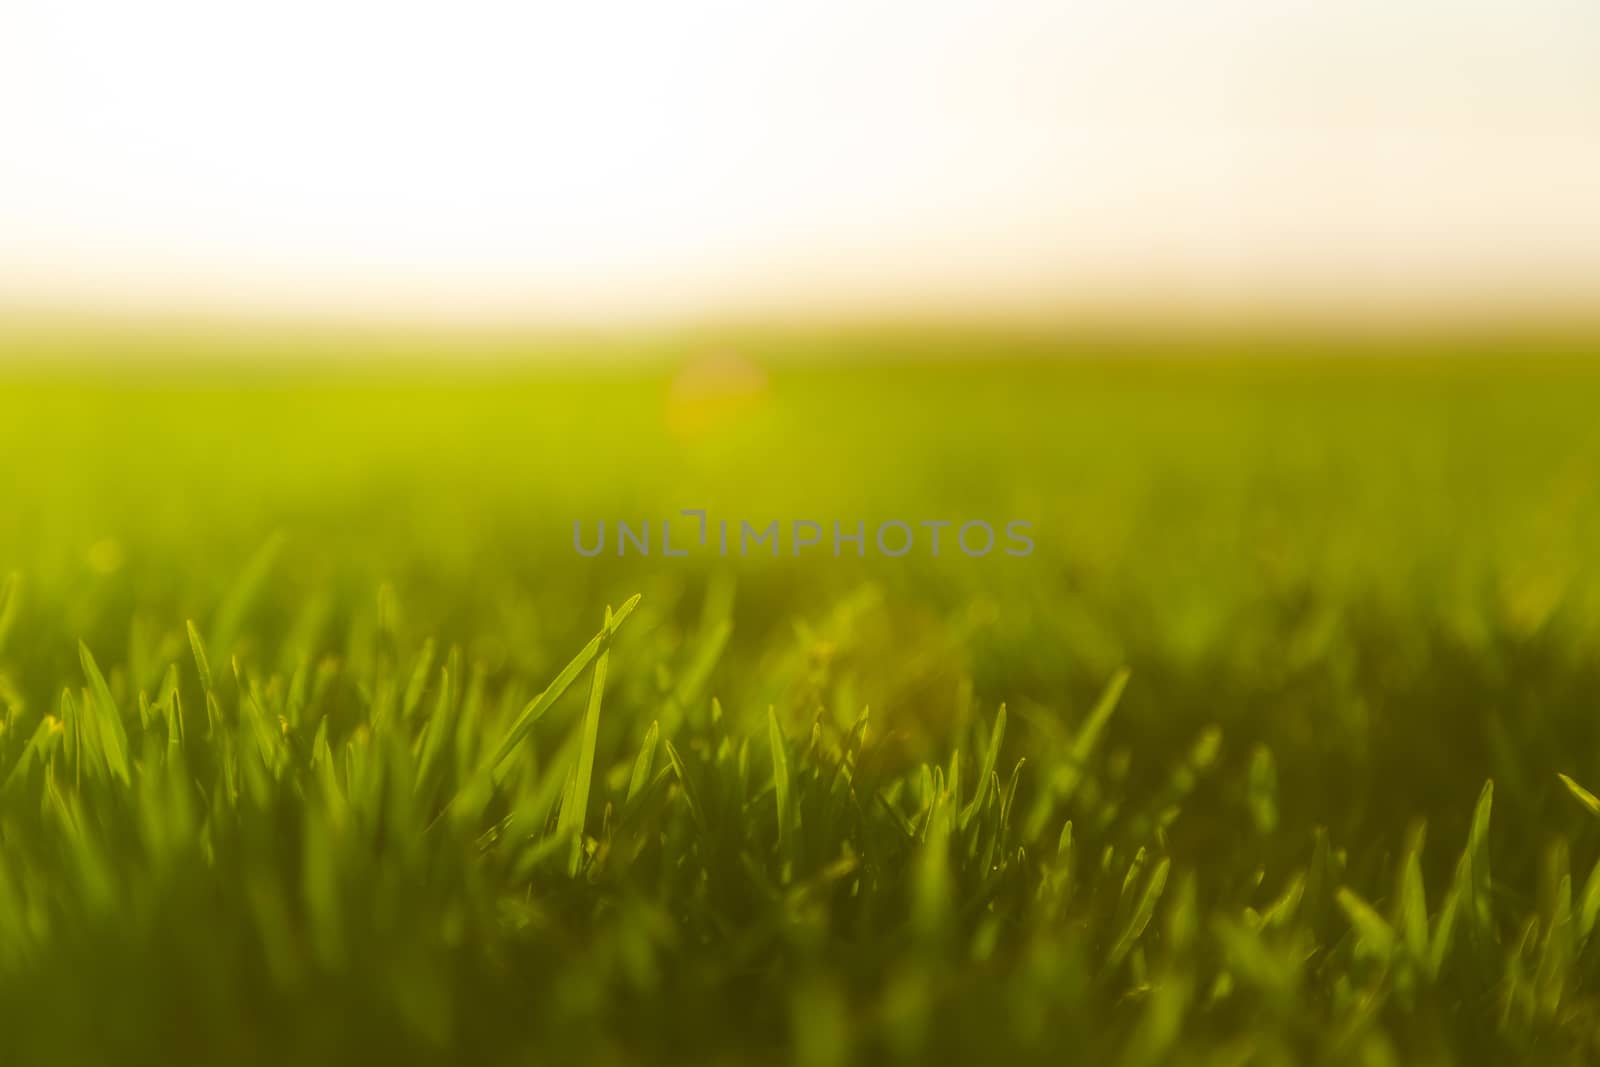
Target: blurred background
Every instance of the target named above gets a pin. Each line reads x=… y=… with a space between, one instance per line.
x=395 y=293
x=379 y=299
x=541 y=164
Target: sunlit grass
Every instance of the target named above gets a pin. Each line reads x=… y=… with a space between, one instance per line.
x=321 y=744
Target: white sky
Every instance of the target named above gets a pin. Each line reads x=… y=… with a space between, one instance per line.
x=686 y=157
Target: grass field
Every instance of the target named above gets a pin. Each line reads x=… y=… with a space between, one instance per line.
x=321 y=744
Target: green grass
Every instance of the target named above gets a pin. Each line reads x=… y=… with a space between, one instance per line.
x=320 y=744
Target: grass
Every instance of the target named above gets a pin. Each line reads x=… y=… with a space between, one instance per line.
x=320 y=743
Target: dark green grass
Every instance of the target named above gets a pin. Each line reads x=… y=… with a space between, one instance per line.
x=1207 y=779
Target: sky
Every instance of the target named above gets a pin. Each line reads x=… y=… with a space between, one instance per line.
x=636 y=160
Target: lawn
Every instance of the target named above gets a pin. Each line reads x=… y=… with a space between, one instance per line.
x=321 y=742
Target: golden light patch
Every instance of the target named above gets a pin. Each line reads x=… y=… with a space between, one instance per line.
x=711 y=391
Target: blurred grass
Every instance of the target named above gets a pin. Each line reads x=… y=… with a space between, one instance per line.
x=1352 y=583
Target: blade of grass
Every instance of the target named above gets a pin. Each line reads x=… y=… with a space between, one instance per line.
x=691 y=791
x=202 y=662
x=990 y=757
x=1590 y=802
x=1371 y=929
x=542 y=703
x=642 y=765
x=780 y=778
x=576 y=808
x=113 y=738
